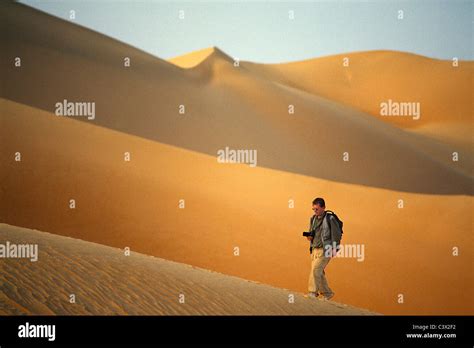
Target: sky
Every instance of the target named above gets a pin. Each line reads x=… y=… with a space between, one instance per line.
x=262 y=31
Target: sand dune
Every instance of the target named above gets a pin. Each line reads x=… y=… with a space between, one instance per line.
x=407 y=251
x=444 y=91
x=105 y=282
x=224 y=106
x=135 y=204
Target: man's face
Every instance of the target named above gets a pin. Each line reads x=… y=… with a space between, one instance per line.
x=318 y=210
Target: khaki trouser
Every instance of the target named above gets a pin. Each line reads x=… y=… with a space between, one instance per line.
x=317 y=279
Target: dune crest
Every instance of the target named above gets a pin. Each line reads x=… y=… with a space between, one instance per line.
x=195 y=58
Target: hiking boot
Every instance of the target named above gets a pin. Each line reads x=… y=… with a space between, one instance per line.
x=326 y=297
x=311 y=295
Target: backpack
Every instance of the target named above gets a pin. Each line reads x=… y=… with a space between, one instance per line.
x=340 y=223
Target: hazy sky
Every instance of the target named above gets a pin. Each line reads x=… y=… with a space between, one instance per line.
x=262 y=31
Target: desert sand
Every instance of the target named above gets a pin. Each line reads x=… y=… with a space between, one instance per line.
x=135 y=204
x=106 y=282
x=444 y=90
x=224 y=106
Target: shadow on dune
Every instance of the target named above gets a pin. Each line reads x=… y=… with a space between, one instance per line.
x=224 y=107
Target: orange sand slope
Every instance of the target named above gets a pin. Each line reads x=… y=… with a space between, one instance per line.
x=136 y=204
x=444 y=91
x=224 y=106
x=104 y=281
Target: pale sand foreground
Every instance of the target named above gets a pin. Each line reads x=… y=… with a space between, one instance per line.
x=407 y=251
x=105 y=281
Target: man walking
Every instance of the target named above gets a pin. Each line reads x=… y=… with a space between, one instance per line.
x=325 y=230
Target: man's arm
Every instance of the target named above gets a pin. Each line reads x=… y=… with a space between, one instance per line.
x=309 y=229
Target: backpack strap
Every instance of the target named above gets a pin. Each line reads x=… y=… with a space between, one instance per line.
x=312 y=222
x=330 y=212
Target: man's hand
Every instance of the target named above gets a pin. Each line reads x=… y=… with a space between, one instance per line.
x=309 y=238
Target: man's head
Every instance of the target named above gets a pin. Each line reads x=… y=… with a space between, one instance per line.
x=318 y=206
